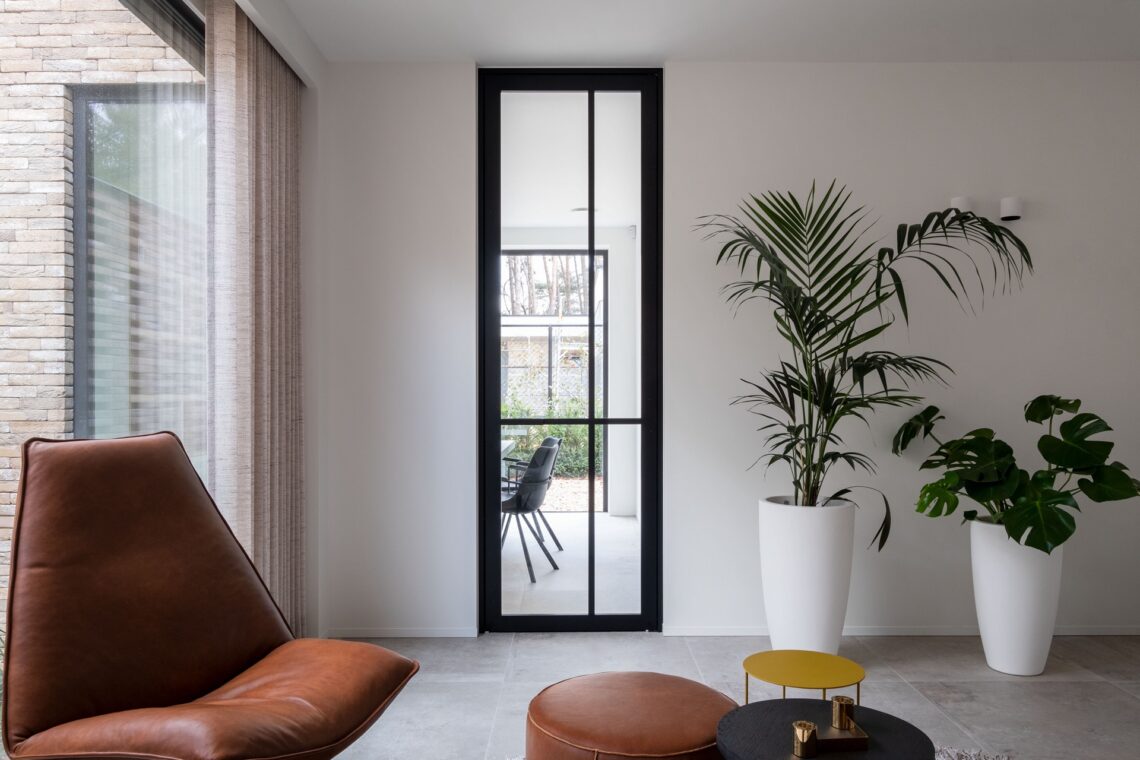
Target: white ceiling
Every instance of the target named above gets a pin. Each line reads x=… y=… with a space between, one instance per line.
x=650 y=32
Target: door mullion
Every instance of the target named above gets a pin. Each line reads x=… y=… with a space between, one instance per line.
x=591 y=438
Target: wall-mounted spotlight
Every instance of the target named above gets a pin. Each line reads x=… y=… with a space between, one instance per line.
x=1010 y=208
x=962 y=203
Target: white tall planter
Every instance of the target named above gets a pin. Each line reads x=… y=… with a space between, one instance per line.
x=1016 y=590
x=805 y=565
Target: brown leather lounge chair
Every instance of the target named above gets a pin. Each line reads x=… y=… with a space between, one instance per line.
x=139 y=629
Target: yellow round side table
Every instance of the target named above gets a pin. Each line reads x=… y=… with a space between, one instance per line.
x=801 y=669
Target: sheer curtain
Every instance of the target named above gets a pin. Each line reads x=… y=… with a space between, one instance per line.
x=141 y=284
x=254 y=441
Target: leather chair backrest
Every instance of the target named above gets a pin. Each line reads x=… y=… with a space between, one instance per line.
x=127 y=588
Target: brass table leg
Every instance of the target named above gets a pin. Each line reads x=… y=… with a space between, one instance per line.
x=824 y=693
x=858 y=692
x=746 y=687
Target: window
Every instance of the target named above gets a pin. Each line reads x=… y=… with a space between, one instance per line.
x=140 y=258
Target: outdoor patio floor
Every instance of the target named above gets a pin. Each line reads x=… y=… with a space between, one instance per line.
x=617 y=581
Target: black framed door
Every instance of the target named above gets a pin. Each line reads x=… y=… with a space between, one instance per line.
x=570 y=349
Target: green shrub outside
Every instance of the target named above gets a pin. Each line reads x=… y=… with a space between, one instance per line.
x=573 y=458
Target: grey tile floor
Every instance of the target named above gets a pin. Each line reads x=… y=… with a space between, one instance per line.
x=469 y=700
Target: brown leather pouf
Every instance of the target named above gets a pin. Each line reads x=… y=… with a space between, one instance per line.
x=607 y=716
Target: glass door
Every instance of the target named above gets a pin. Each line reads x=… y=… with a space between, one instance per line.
x=570 y=332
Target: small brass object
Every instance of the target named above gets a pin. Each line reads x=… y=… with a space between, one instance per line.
x=804 y=742
x=842 y=713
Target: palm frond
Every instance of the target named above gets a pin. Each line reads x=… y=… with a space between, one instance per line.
x=834 y=291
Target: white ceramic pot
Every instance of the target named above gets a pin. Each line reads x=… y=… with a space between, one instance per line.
x=805 y=565
x=1016 y=590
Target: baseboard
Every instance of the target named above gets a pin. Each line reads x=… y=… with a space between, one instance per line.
x=851 y=630
x=1097 y=630
x=902 y=630
x=401 y=633
x=759 y=630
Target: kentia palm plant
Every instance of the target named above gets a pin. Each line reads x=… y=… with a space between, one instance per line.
x=833 y=289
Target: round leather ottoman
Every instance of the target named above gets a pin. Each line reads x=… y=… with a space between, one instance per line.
x=607 y=716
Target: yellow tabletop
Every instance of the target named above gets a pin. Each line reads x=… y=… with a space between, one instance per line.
x=801 y=669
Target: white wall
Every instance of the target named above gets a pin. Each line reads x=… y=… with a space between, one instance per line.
x=392 y=350
x=906 y=138
x=391 y=298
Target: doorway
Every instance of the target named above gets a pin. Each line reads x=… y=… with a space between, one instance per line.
x=570 y=354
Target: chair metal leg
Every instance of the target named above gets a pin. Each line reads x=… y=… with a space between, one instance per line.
x=549 y=529
x=506 y=528
x=541 y=545
x=526 y=552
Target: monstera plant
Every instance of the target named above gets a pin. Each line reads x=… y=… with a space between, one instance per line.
x=833 y=289
x=1037 y=509
x=1017 y=535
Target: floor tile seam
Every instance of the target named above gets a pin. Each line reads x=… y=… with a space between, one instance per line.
x=984 y=746
x=1120 y=688
x=499 y=700
x=509 y=668
x=696 y=665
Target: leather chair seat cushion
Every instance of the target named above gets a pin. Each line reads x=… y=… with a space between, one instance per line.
x=622 y=715
x=307 y=700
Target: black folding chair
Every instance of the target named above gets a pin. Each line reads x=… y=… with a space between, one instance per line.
x=524 y=496
x=515 y=468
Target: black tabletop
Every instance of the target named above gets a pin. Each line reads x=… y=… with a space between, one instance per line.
x=763 y=731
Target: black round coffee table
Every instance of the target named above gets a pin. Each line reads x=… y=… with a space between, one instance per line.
x=763 y=731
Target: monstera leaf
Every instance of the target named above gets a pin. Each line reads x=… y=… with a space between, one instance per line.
x=976 y=456
x=1109 y=483
x=1044 y=408
x=1073 y=450
x=1005 y=486
x=1038 y=519
x=939 y=498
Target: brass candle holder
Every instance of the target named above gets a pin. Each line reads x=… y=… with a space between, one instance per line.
x=843 y=735
x=842 y=713
x=805 y=739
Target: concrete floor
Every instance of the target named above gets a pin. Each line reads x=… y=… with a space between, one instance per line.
x=617 y=567
x=469 y=700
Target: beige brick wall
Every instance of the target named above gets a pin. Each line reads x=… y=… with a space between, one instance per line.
x=45 y=47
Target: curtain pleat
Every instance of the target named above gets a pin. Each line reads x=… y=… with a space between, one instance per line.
x=255 y=446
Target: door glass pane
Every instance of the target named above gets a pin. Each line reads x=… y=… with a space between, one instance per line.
x=543 y=270
x=617 y=520
x=544 y=352
x=617 y=235
x=552 y=519
x=544 y=336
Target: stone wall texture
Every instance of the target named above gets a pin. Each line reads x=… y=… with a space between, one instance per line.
x=46 y=48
